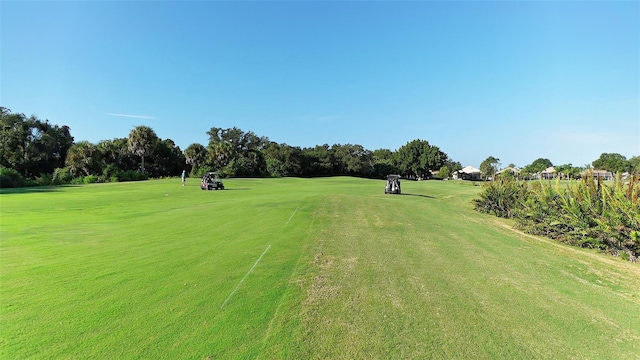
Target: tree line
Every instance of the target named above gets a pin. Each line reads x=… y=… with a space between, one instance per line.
x=613 y=162
x=35 y=152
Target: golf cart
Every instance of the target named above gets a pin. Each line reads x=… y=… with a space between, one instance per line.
x=393 y=184
x=211 y=181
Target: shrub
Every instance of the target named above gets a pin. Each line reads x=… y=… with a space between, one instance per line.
x=90 y=179
x=587 y=213
x=44 y=180
x=110 y=171
x=77 y=180
x=62 y=176
x=131 y=175
x=10 y=178
x=500 y=197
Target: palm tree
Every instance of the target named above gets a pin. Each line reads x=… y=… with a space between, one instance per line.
x=142 y=141
x=221 y=153
x=195 y=155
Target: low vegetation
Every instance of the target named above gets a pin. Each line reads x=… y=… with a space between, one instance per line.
x=587 y=213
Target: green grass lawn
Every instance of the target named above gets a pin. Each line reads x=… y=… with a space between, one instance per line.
x=142 y=270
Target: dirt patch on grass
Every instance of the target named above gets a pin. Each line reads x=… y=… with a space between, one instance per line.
x=322 y=261
x=320 y=289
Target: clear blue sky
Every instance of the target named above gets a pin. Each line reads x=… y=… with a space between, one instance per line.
x=513 y=80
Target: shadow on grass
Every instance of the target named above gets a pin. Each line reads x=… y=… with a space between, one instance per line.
x=424 y=196
x=35 y=189
x=28 y=190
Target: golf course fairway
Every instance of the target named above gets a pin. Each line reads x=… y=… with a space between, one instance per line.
x=325 y=268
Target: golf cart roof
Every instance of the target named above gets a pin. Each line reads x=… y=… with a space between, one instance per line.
x=211 y=174
x=393 y=177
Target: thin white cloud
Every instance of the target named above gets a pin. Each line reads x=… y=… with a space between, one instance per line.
x=133 y=116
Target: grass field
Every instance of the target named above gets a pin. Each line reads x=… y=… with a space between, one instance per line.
x=325 y=268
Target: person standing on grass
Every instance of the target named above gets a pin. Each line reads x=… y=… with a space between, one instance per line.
x=184 y=176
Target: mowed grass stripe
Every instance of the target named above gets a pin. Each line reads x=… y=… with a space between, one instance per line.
x=148 y=285
x=139 y=270
x=412 y=277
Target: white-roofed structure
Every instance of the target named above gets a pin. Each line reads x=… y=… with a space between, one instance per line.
x=467 y=173
x=601 y=174
x=548 y=173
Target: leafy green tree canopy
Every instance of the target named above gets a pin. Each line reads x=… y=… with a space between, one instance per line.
x=489 y=166
x=634 y=164
x=417 y=158
x=611 y=162
x=83 y=159
x=444 y=172
x=538 y=165
x=32 y=146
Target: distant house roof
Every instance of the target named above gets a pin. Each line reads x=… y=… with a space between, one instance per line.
x=469 y=170
x=512 y=169
x=597 y=172
x=548 y=170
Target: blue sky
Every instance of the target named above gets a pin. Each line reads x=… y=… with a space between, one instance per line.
x=513 y=80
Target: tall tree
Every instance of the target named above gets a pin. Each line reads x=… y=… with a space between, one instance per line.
x=318 y=161
x=142 y=142
x=236 y=152
x=611 y=162
x=352 y=160
x=115 y=156
x=489 y=167
x=83 y=159
x=383 y=163
x=417 y=158
x=568 y=171
x=196 y=156
x=32 y=146
x=282 y=159
x=634 y=164
x=538 y=165
x=168 y=159
x=453 y=165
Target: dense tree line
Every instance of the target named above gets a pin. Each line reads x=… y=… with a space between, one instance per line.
x=234 y=152
x=34 y=152
x=31 y=146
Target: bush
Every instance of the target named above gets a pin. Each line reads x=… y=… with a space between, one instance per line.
x=77 y=180
x=131 y=175
x=10 y=178
x=588 y=213
x=500 y=197
x=62 y=176
x=90 y=179
x=110 y=171
x=44 y=180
